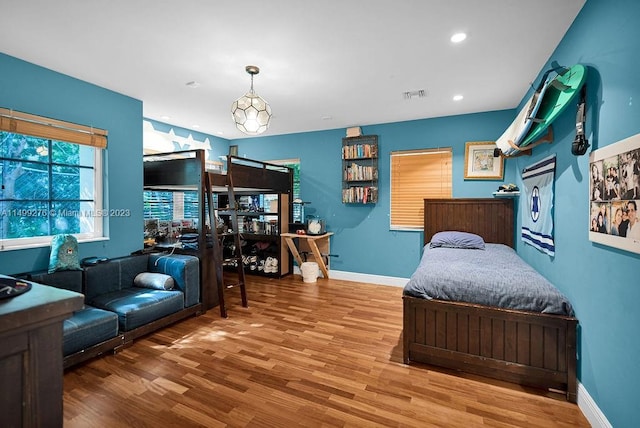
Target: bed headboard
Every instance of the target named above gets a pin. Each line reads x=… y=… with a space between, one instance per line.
x=491 y=218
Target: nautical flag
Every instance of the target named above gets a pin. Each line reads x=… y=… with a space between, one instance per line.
x=537 y=221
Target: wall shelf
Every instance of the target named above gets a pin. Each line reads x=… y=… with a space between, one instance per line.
x=360 y=170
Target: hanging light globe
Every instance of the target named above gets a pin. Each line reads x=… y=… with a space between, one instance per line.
x=251 y=113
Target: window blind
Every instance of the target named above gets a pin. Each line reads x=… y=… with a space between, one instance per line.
x=52 y=129
x=416 y=175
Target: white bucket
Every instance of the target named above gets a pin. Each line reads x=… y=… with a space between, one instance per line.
x=309 y=271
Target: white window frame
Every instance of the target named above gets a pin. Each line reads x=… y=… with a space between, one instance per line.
x=98 y=216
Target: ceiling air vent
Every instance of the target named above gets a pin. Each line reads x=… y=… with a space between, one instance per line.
x=420 y=93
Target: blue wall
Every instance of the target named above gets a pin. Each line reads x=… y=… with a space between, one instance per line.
x=31 y=89
x=602 y=282
x=362 y=240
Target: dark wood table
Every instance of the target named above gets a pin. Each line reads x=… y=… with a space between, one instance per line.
x=31 y=355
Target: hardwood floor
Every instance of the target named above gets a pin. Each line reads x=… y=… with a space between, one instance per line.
x=321 y=354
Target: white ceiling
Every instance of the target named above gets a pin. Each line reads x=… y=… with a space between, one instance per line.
x=323 y=65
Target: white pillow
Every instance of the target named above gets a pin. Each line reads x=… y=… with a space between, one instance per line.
x=157 y=281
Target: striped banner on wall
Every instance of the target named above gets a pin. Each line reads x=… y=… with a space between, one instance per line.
x=537 y=219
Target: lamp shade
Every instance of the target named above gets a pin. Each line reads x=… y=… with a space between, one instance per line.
x=251 y=114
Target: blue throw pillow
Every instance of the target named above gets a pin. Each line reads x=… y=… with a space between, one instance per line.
x=455 y=239
x=64 y=253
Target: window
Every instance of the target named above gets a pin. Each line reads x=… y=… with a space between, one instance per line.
x=294 y=164
x=416 y=175
x=50 y=185
x=158 y=205
x=171 y=205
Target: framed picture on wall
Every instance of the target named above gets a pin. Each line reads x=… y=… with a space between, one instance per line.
x=614 y=195
x=479 y=162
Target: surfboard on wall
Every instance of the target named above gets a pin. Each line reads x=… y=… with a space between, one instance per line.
x=519 y=128
x=544 y=106
x=560 y=93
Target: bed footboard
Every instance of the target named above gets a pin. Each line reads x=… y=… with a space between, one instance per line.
x=522 y=347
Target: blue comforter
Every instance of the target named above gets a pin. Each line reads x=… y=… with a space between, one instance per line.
x=495 y=276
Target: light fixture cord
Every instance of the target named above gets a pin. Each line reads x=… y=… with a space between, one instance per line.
x=252 y=92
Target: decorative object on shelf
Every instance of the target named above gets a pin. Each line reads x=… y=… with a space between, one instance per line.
x=614 y=194
x=360 y=169
x=354 y=131
x=479 y=162
x=251 y=113
x=508 y=188
x=507 y=191
x=315 y=226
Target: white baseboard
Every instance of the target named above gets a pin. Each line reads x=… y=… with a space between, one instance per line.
x=369 y=279
x=363 y=277
x=590 y=409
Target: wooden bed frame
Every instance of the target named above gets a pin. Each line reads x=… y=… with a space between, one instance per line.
x=523 y=347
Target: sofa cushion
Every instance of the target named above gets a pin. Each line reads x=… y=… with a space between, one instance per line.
x=68 y=279
x=87 y=327
x=130 y=267
x=113 y=275
x=185 y=271
x=138 y=306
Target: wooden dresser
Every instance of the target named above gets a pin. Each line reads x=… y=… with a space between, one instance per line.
x=31 y=355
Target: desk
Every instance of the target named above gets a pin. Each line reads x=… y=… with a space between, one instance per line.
x=318 y=244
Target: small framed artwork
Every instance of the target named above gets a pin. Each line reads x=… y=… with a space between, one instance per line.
x=479 y=162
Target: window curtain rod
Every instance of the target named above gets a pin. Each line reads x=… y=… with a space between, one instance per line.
x=53 y=129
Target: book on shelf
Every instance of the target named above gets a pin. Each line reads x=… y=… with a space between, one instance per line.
x=357 y=151
x=360 y=194
x=355 y=172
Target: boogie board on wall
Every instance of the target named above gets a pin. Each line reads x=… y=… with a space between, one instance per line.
x=538 y=113
x=515 y=133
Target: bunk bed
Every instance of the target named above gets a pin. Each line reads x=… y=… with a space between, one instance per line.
x=527 y=347
x=187 y=171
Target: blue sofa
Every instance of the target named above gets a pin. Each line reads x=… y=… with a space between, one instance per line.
x=116 y=310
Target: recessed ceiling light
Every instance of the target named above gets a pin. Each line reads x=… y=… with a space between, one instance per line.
x=326 y=117
x=457 y=97
x=458 y=37
x=192 y=84
x=195 y=126
x=165 y=117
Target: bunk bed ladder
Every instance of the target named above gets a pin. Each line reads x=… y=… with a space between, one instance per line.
x=219 y=260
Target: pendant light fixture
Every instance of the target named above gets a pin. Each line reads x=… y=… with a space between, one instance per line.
x=251 y=113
